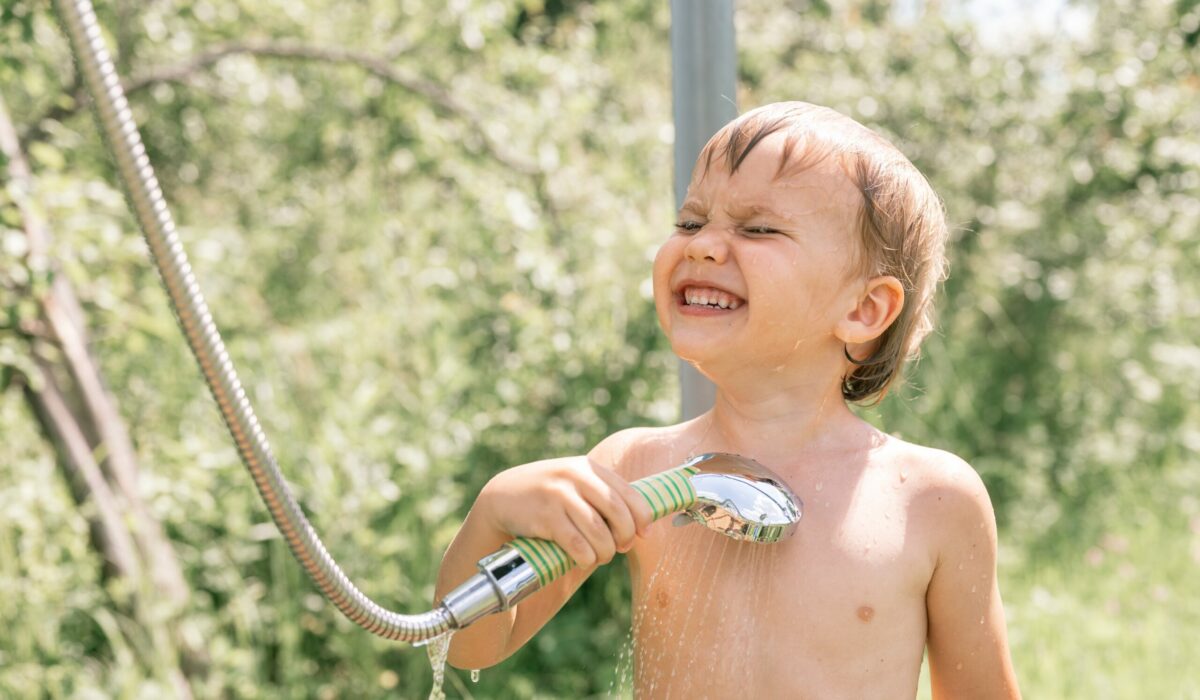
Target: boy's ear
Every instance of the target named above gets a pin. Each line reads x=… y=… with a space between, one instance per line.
x=878 y=305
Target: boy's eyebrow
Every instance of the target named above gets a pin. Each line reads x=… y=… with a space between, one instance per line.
x=754 y=209
x=743 y=211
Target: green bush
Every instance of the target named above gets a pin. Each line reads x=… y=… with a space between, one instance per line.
x=422 y=287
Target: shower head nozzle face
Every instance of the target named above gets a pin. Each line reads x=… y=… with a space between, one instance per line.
x=742 y=499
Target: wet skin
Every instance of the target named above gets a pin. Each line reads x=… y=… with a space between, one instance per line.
x=836 y=611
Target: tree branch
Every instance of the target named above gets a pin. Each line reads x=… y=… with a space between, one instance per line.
x=88 y=488
x=107 y=529
x=376 y=65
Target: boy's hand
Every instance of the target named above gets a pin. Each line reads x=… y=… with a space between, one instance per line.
x=587 y=509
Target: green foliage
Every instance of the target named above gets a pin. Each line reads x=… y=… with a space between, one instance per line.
x=419 y=295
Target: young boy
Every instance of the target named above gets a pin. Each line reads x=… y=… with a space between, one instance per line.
x=799 y=276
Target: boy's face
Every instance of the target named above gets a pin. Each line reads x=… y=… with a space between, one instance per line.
x=759 y=268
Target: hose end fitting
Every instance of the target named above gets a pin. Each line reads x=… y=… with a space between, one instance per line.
x=504 y=579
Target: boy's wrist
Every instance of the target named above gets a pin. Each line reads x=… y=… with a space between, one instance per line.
x=483 y=526
x=483 y=515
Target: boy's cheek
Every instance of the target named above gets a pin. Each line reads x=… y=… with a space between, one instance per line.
x=663 y=298
x=662 y=262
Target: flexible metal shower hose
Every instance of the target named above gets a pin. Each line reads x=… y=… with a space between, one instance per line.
x=151 y=211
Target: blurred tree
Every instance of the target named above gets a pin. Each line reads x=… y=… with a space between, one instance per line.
x=425 y=228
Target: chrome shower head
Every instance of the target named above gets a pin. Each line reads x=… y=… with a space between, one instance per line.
x=741 y=498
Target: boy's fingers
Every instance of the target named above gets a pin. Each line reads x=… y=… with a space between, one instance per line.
x=574 y=543
x=607 y=499
x=639 y=509
x=643 y=515
x=594 y=529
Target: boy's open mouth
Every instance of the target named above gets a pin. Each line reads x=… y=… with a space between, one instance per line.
x=709 y=297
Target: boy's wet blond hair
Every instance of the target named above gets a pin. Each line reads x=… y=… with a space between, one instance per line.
x=902 y=223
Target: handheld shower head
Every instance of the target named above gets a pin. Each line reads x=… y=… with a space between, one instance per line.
x=733 y=495
x=742 y=499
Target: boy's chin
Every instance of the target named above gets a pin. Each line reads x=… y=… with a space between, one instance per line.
x=693 y=347
x=708 y=338
x=708 y=356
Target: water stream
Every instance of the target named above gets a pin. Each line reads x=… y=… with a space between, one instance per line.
x=704 y=590
x=438 y=649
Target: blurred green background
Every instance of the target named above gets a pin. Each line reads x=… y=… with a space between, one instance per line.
x=425 y=231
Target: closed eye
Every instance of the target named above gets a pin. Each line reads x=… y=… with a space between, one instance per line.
x=760 y=230
x=689 y=226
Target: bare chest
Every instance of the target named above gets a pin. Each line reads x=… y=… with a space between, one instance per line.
x=838 y=610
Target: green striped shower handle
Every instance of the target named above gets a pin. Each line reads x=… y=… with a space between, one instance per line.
x=668 y=492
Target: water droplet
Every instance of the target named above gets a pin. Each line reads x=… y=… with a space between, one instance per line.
x=960 y=567
x=958 y=666
x=819 y=485
x=981 y=619
x=973 y=589
x=474 y=675
x=903 y=476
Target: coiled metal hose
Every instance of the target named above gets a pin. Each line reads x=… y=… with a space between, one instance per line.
x=149 y=207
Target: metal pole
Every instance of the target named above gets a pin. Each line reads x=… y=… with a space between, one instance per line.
x=704 y=86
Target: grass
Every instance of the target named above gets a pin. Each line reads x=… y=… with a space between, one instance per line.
x=1110 y=611
x=1115 y=618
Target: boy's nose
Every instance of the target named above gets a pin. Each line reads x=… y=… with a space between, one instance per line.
x=708 y=244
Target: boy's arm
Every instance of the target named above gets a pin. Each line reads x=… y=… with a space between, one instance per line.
x=967 y=638
x=496 y=637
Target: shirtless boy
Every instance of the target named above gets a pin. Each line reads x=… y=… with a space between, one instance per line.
x=799 y=277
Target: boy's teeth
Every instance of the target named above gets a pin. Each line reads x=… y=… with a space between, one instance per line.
x=710 y=297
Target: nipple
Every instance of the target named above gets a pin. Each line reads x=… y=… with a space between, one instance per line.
x=865 y=613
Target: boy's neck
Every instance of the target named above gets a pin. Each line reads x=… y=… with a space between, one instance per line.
x=781 y=424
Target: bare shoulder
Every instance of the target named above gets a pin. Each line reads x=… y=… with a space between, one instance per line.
x=940 y=470
x=637 y=452
x=946 y=493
